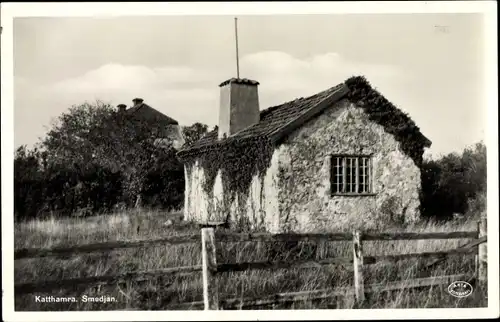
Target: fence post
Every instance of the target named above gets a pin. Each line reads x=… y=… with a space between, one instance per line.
x=359 y=289
x=209 y=264
x=482 y=252
x=321 y=248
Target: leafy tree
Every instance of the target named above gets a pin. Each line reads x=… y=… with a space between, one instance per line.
x=73 y=136
x=474 y=160
x=27 y=182
x=164 y=182
x=94 y=157
x=451 y=183
x=194 y=132
x=95 y=134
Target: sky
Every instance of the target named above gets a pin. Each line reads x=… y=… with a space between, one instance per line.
x=429 y=65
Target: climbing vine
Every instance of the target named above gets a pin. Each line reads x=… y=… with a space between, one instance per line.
x=239 y=161
x=384 y=113
x=209 y=163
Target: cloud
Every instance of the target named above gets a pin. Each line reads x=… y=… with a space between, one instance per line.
x=191 y=95
x=116 y=77
x=283 y=76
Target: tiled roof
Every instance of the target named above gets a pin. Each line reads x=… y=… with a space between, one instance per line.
x=150 y=113
x=275 y=122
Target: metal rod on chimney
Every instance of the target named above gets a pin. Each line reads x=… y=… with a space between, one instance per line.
x=237 y=54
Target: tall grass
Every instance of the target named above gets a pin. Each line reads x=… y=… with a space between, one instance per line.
x=164 y=292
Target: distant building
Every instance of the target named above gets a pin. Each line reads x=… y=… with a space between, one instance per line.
x=165 y=128
x=306 y=165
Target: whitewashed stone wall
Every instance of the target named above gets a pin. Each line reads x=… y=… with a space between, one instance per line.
x=307 y=204
x=294 y=195
x=260 y=206
x=195 y=198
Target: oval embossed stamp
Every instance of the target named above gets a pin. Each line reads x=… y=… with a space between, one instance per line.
x=460 y=289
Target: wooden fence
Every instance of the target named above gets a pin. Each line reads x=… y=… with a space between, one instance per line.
x=210 y=268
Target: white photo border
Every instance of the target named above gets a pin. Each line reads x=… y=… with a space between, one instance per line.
x=13 y=10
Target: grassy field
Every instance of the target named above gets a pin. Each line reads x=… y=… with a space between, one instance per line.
x=164 y=293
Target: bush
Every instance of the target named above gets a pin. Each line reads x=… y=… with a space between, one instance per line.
x=65 y=190
x=454 y=183
x=28 y=183
x=61 y=189
x=164 y=183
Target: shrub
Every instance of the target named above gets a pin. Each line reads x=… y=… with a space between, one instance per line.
x=454 y=183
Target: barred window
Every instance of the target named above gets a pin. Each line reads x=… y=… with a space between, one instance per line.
x=351 y=175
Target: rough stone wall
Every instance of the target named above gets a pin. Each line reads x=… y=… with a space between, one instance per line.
x=258 y=208
x=294 y=194
x=200 y=206
x=305 y=200
x=195 y=198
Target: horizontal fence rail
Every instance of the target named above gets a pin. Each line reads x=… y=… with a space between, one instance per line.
x=419 y=236
x=100 y=247
x=103 y=280
x=282 y=298
x=426 y=255
x=238 y=267
x=199 y=305
x=472 y=245
x=417 y=282
x=209 y=238
x=267 y=237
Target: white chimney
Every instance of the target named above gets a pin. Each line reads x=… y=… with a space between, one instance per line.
x=239 y=105
x=121 y=108
x=137 y=101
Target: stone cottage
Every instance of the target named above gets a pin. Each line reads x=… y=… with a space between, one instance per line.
x=344 y=157
x=166 y=129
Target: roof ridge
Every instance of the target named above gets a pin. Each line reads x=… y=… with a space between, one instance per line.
x=334 y=95
x=133 y=110
x=141 y=105
x=274 y=107
x=282 y=105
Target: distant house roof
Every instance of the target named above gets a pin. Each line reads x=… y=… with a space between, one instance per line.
x=146 y=112
x=278 y=121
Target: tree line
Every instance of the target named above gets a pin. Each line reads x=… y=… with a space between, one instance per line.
x=92 y=160
x=455 y=184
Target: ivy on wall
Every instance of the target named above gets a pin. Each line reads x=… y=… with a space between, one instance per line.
x=210 y=163
x=239 y=161
x=384 y=113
